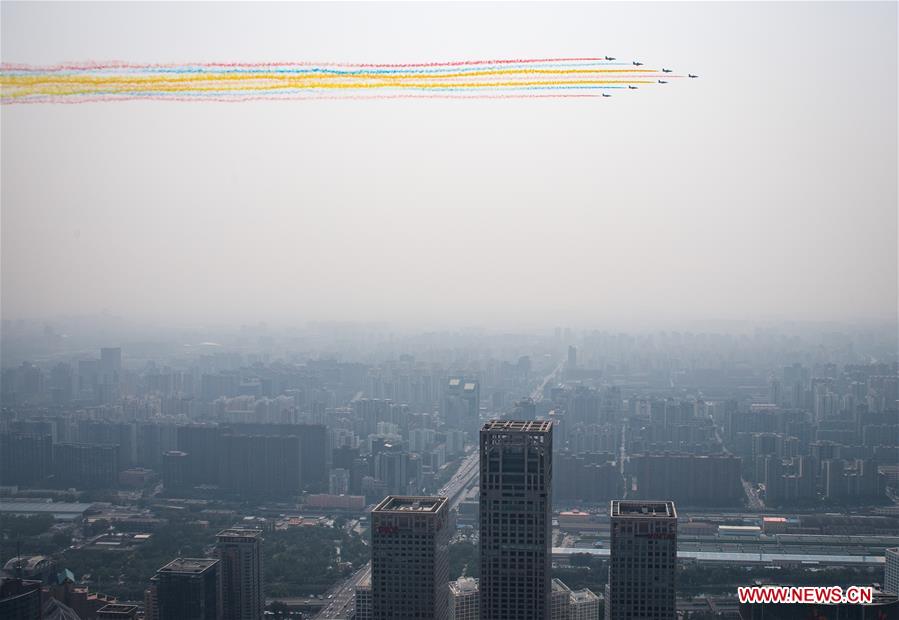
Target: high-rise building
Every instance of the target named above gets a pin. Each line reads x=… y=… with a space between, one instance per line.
x=175 y=470
x=313 y=448
x=693 y=479
x=20 y=599
x=117 y=611
x=559 y=603
x=642 y=560
x=410 y=558
x=462 y=404
x=261 y=466
x=109 y=375
x=515 y=519
x=202 y=444
x=86 y=466
x=464 y=599
x=584 y=605
x=240 y=554
x=151 y=600
x=189 y=589
x=111 y=359
x=25 y=459
x=891 y=571
x=363 y=602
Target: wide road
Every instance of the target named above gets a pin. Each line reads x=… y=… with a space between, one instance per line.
x=537 y=394
x=341 y=597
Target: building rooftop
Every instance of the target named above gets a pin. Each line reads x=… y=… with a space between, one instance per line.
x=240 y=532
x=16 y=506
x=583 y=596
x=464 y=585
x=118 y=609
x=740 y=557
x=397 y=503
x=188 y=566
x=636 y=508
x=519 y=426
x=26 y=562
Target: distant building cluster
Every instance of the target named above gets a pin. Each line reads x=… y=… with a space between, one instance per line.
x=540 y=452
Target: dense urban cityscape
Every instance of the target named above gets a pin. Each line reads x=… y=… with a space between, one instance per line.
x=349 y=471
x=493 y=310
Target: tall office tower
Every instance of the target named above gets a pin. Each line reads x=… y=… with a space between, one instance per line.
x=109 y=377
x=240 y=554
x=189 y=589
x=516 y=519
x=559 y=604
x=202 y=443
x=111 y=359
x=410 y=558
x=151 y=600
x=174 y=470
x=362 y=598
x=642 y=561
x=25 y=459
x=584 y=605
x=462 y=404
x=834 y=479
x=313 y=448
x=891 y=571
x=20 y=599
x=261 y=466
x=391 y=468
x=86 y=466
x=464 y=599
x=572 y=357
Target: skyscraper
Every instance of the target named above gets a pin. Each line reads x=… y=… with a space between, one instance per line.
x=410 y=558
x=584 y=605
x=240 y=553
x=642 y=562
x=891 y=571
x=86 y=465
x=462 y=404
x=363 y=599
x=516 y=519
x=20 y=599
x=25 y=459
x=559 y=605
x=189 y=589
x=464 y=600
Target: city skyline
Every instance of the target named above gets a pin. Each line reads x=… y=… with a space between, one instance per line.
x=449 y=310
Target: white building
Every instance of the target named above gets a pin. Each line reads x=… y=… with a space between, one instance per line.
x=584 y=605
x=891 y=571
x=464 y=600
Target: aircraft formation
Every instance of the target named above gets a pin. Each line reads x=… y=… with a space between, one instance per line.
x=237 y=81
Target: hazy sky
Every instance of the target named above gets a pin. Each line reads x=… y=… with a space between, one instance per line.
x=765 y=189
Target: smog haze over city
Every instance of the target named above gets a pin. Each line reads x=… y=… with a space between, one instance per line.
x=448 y=310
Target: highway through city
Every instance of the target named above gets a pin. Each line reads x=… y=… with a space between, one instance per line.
x=537 y=394
x=340 y=599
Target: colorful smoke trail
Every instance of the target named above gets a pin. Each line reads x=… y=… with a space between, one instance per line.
x=118 y=81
